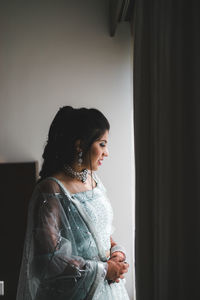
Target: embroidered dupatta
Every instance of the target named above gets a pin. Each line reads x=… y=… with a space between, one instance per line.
x=62 y=256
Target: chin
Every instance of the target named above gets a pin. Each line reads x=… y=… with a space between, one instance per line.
x=95 y=168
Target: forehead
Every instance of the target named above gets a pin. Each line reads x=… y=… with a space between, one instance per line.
x=104 y=136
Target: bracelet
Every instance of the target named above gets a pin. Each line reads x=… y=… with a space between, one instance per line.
x=118 y=248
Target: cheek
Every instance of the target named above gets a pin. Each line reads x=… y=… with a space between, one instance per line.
x=96 y=152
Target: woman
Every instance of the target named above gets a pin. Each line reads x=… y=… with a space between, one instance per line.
x=69 y=252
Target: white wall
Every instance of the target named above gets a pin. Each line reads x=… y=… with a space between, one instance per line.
x=55 y=53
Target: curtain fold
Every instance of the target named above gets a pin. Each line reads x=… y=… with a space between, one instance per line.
x=167 y=149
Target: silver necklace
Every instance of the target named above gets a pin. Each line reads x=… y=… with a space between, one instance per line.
x=82 y=176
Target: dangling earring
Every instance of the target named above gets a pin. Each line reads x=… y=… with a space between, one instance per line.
x=80 y=159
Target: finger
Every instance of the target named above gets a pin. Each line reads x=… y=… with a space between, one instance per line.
x=125 y=266
x=125 y=271
x=117 y=259
x=113 y=255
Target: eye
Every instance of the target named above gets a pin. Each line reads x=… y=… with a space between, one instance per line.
x=102 y=144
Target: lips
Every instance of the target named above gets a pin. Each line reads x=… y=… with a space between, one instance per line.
x=100 y=161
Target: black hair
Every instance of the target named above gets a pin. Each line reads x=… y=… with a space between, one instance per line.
x=69 y=125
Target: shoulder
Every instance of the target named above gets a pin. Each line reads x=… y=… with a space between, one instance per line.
x=47 y=196
x=48 y=186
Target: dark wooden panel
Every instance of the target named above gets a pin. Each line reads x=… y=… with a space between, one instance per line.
x=17 y=181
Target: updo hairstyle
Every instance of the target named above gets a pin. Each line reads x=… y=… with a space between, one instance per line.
x=69 y=125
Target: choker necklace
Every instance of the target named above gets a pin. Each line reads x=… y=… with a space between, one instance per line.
x=82 y=176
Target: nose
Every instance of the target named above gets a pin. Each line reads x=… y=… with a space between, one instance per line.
x=106 y=153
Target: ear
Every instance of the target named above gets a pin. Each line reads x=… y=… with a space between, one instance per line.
x=78 y=145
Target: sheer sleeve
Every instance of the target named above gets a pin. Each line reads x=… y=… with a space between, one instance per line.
x=60 y=259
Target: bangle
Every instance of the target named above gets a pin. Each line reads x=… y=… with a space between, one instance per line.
x=118 y=248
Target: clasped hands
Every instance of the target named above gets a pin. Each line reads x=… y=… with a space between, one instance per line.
x=116 y=267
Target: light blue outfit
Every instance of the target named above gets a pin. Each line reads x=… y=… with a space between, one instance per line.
x=68 y=236
x=98 y=207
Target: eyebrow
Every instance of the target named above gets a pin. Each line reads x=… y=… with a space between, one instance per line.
x=104 y=141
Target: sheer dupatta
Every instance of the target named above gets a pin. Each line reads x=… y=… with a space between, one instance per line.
x=62 y=256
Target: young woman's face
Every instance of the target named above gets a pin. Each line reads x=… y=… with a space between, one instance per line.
x=98 y=151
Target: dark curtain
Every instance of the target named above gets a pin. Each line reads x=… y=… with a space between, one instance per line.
x=167 y=148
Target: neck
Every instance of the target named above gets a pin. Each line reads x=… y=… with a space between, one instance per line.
x=78 y=168
x=80 y=175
